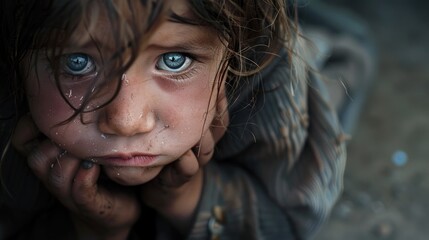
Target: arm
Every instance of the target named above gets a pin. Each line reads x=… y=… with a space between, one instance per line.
x=292 y=149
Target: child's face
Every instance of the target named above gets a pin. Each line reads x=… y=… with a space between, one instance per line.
x=160 y=110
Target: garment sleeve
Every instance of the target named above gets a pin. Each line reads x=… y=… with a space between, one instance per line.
x=278 y=170
x=246 y=210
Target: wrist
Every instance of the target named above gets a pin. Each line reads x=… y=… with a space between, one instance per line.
x=188 y=199
x=182 y=204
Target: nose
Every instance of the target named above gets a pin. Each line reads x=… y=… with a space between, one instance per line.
x=130 y=113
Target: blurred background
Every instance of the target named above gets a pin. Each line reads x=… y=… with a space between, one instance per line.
x=386 y=193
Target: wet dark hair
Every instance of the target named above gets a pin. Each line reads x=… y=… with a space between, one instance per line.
x=253 y=32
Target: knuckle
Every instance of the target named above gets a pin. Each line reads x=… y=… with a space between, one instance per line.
x=56 y=180
x=37 y=160
x=205 y=157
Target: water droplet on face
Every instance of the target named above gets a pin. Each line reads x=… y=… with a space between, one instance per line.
x=125 y=79
x=117 y=174
x=93 y=160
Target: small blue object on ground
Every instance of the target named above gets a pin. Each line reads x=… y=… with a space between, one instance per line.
x=399 y=158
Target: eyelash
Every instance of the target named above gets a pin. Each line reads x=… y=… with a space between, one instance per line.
x=182 y=75
x=65 y=71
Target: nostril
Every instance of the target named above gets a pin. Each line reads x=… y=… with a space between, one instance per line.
x=126 y=123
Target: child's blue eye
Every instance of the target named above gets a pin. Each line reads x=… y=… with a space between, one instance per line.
x=78 y=64
x=173 y=62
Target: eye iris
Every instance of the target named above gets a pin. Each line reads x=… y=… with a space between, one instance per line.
x=174 y=60
x=77 y=62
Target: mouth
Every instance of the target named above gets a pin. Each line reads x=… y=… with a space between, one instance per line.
x=126 y=160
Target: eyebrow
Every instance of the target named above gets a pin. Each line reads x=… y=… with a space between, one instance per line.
x=191 y=43
x=187 y=17
x=181 y=19
x=194 y=44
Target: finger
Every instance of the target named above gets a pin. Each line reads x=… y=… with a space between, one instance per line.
x=179 y=172
x=41 y=159
x=25 y=136
x=84 y=189
x=221 y=121
x=55 y=169
x=112 y=206
x=61 y=176
x=187 y=165
x=205 y=149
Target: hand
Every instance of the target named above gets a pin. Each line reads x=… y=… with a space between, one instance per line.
x=176 y=191
x=97 y=211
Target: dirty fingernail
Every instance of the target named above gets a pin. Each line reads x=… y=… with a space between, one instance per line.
x=86 y=164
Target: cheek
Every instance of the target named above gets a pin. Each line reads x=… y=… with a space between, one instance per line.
x=47 y=107
x=190 y=115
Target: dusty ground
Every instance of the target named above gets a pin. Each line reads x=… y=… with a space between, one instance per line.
x=384 y=200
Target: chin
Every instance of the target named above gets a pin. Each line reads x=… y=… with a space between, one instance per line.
x=131 y=176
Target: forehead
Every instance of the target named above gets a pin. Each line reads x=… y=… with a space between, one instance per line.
x=123 y=23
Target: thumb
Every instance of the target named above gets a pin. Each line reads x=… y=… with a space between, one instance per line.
x=112 y=206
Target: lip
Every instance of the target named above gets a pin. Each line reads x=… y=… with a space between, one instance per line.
x=126 y=160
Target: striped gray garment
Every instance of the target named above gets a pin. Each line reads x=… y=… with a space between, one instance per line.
x=278 y=170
